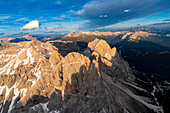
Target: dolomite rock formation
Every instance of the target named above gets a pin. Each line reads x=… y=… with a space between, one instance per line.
x=122 y=35
x=55 y=76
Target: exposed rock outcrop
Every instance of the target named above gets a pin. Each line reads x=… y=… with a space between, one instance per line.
x=57 y=77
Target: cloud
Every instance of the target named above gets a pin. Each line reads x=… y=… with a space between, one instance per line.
x=22 y=19
x=116 y=10
x=103 y=16
x=56 y=18
x=166 y=20
x=141 y=19
x=19 y=34
x=64 y=26
x=63 y=16
x=127 y=10
x=55 y=28
x=4 y=26
x=163 y=23
x=31 y=25
x=2 y=18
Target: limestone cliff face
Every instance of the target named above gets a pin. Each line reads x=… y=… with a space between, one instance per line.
x=57 y=77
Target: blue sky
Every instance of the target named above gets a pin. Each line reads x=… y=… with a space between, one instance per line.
x=68 y=15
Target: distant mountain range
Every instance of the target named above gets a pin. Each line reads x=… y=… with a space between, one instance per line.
x=115 y=37
x=29 y=38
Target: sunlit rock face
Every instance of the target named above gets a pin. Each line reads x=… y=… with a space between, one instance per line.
x=122 y=35
x=57 y=77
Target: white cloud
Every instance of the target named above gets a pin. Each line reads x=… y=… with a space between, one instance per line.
x=58 y=18
x=141 y=19
x=63 y=16
x=127 y=10
x=4 y=26
x=31 y=25
x=103 y=16
x=80 y=12
x=22 y=19
x=2 y=18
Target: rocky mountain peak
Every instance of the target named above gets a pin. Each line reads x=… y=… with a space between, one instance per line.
x=102 y=47
x=122 y=35
x=56 y=77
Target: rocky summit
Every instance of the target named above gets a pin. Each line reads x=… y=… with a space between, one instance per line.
x=58 y=76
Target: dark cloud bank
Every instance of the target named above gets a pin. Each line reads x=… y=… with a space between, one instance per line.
x=106 y=12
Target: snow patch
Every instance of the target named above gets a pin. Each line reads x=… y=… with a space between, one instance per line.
x=43 y=48
x=13 y=72
x=156 y=109
x=54 y=111
x=16 y=93
x=8 y=66
x=23 y=91
x=7 y=57
x=17 y=63
x=43 y=105
x=44 y=54
x=36 y=71
x=29 y=57
x=136 y=87
x=7 y=93
x=50 y=53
